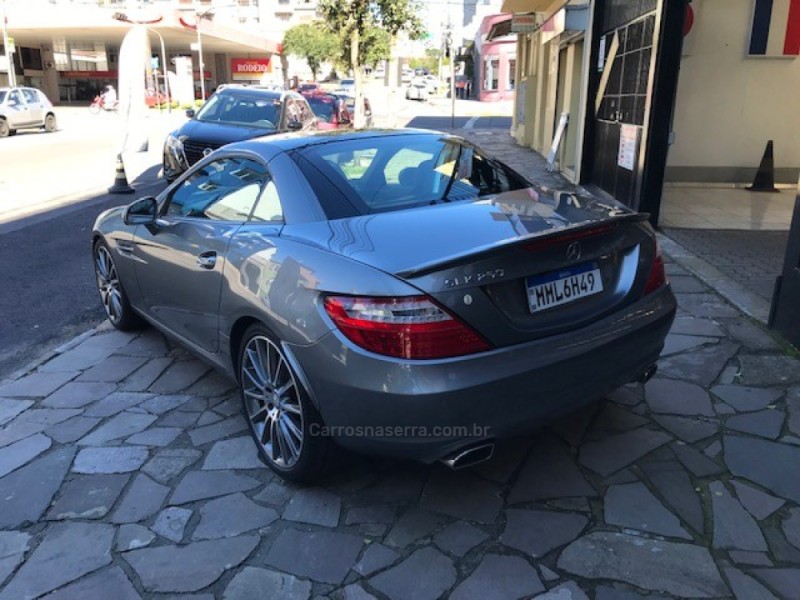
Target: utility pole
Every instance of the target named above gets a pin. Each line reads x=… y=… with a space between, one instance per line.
x=450 y=52
x=12 y=76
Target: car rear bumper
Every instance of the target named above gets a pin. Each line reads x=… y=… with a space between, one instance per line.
x=426 y=410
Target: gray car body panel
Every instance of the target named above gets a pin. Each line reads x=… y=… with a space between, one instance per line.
x=278 y=274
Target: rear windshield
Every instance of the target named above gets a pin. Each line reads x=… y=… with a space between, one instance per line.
x=251 y=110
x=363 y=176
x=2 y=96
x=323 y=107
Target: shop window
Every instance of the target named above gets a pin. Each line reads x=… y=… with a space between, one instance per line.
x=491 y=74
x=512 y=74
x=32 y=58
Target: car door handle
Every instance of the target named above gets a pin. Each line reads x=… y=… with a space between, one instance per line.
x=207 y=260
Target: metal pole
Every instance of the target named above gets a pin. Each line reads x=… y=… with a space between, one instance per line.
x=200 y=56
x=452 y=89
x=12 y=77
x=164 y=72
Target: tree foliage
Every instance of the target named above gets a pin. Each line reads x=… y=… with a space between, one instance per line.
x=375 y=21
x=312 y=41
x=374 y=45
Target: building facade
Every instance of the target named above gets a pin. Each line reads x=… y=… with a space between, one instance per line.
x=70 y=48
x=739 y=87
x=494 y=62
x=623 y=96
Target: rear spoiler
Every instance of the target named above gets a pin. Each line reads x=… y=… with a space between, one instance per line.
x=574 y=231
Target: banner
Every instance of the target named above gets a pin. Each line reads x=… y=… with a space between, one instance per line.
x=250 y=69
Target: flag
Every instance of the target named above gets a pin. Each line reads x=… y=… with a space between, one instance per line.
x=776 y=28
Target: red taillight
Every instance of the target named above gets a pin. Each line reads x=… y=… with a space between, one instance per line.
x=657 y=276
x=408 y=327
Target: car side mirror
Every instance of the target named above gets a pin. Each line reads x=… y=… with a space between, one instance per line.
x=190 y=113
x=294 y=125
x=141 y=212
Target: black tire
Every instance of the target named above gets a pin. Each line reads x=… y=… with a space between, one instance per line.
x=112 y=295
x=317 y=453
x=50 y=123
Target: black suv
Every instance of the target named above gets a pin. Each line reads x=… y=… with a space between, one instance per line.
x=234 y=113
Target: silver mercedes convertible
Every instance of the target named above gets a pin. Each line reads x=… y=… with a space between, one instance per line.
x=392 y=292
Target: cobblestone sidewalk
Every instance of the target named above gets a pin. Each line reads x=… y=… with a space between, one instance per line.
x=126 y=472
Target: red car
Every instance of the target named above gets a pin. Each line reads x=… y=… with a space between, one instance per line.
x=331 y=111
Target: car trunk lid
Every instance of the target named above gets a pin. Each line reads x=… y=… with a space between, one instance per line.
x=478 y=259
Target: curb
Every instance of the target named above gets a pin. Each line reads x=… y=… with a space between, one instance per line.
x=51 y=354
x=742 y=298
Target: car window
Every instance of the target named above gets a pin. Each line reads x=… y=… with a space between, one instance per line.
x=391 y=173
x=2 y=96
x=324 y=107
x=242 y=108
x=269 y=206
x=225 y=189
x=15 y=96
x=30 y=96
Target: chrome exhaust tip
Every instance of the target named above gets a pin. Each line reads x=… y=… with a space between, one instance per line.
x=648 y=374
x=469 y=456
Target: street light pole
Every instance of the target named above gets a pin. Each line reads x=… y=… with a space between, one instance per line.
x=163 y=72
x=199 y=16
x=201 y=66
x=12 y=76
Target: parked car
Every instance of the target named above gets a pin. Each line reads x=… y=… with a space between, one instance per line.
x=432 y=83
x=350 y=101
x=331 y=110
x=153 y=98
x=233 y=113
x=417 y=90
x=396 y=292
x=347 y=86
x=25 y=108
x=308 y=87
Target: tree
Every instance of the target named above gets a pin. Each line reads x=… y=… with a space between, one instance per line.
x=313 y=42
x=355 y=19
x=373 y=46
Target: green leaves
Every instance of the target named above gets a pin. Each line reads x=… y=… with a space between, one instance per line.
x=377 y=22
x=312 y=41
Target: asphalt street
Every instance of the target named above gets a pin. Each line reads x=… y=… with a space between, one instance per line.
x=48 y=288
x=50 y=196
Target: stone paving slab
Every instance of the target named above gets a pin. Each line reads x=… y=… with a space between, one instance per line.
x=144 y=485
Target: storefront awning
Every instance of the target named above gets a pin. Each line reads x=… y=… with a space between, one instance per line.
x=499 y=29
x=529 y=6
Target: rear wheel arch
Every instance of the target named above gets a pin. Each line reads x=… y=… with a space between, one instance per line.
x=238 y=330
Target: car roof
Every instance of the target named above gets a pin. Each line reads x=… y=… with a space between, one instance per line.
x=273 y=144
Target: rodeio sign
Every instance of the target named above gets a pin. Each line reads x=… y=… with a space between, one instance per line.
x=250 y=68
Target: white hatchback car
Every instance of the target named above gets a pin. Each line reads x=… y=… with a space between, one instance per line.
x=23 y=108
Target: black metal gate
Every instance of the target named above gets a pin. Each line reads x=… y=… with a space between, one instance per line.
x=635 y=63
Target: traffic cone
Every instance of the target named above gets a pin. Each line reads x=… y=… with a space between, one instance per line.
x=765 y=176
x=120 y=180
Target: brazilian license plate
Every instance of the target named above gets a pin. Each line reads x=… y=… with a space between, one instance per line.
x=564 y=286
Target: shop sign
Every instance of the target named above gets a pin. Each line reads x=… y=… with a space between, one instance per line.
x=89 y=74
x=250 y=68
x=523 y=23
x=626 y=158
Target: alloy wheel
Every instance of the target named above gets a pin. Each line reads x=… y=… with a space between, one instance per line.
x=108 y=284
x=272 y=401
